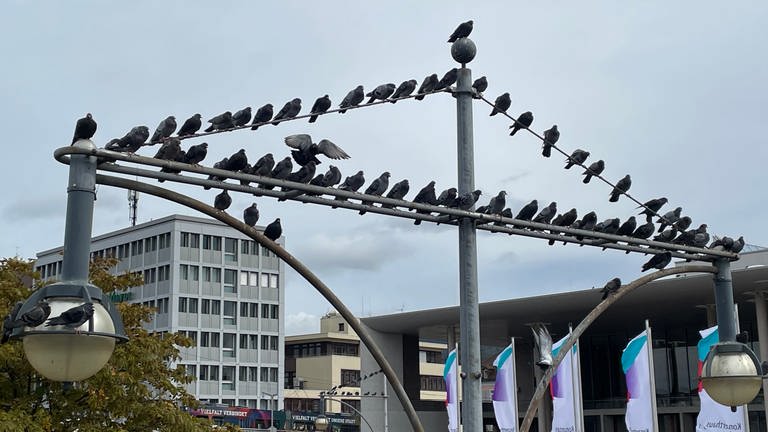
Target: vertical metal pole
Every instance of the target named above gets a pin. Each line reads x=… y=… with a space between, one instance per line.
x=726 y=318
x=469 y=315
x=81 y=193
x=762 y=336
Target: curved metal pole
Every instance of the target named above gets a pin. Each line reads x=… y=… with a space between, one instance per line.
x=289 y=259
x=351 y=407
x=587 y=321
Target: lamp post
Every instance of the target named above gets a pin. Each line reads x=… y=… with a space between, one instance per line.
x=57 y=352
x=271 y=409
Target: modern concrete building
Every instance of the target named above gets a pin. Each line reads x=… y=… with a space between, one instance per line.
x=217 y=286
x=676 y=307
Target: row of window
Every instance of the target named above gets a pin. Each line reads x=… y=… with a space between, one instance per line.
x=160 y=305
x=156 y=274
x=317 y=349
x=213 y=307
x=136 y=247
x=214 y=243
x=246 y=373
x=49 y=270
x=227 y=341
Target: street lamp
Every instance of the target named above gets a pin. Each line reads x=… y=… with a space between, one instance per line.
x=321 y=422
x=271 y=408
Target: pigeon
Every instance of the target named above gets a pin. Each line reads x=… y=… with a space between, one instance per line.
x=321 y=105
x=332 y=177
x=131 y=142
x=658 y=261
x=222 y=201
x=644 y=231
x=85 y=128
x=685 y=237
x=316 y=181
x=467 y=200
x=628 y=227
x=506 y=213
x=611 y=287
x=622 y=186
x=738 y=245
x=263 y=115
x=353 y=98
x=251 y=215
x=290 y=110
x=587 y=223
x=398 y=191
x=523 y=121
x=577 y=157
x=165 y=129
x=263 y=166
x=427 y=86
x=196 y=154
x=502 y=104
x=281 y=171
x=446 y=197
x=594 y=169
x=352 y=184
x=404 y=90
x=608 y=226
x=651 y=207
x=9 y=319
x=221 y=122
x=169 y=150
x=377 y=187
x=669 y=218
x=724 y=243
x=551 y=136
x=683 y=223
x=425 y=196
x=482 y=209
x=448 y=79
x=546 y=214
x=667 y=235
x=462 y=31
x=303 y=175
x=497 y=203
x=246 y=170
x=274 y=230
x=74 y=317
x=564 y=220
x=381 y=92
x=701 y=238
x=306 y=151
x=222 y=165
x=33 y=317
x=480 y=85
x=528 y=211
x=238 y=161
x=181 y=156
x=191 y=125
x=543 y=341
x=242 y=117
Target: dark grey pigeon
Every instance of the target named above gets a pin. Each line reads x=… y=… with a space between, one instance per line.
x=221 y=122
x=332 y=177
x=169 y=150
x=404 y=90
x=644 y=231
x=587 y=223
x=528 y=211
x=480 y=85
x=667 y=235
x=701 y=238
x=628 y=227
x=352 y=184
x=502 y=104
x=497 y=203
x=523 y=121
x=222 y=165
x=33 y=317
x=222 y=201
x=381 y=92
x=448 y=79
x=547 y=213
x=263 y=115
x=181 y=156
x=564 y=220
x=196 y=153
x=242 y=117
x=447 y=197
x=611 y=287
x=722 y=244
x=290 y=110
x=10 y=318
x=238 y=161
x=576 y=158
x=165 y=129
x=426 y=195
x=669 y=218
x=462 y=31
x=302 y=175
x=306 y=151
x=131 y=142
x=685 y=237
x=683 y=223
x=551 y=136
x=738 y=245
x=609 y=226
x=251 y=215
x=263 y=166
x=596 y=168
x=316 y=181
x=482 y=209
x=191 y=125
x=377 y=187
x=281 y=171
x=398 y=191
x=467 y=200
x=246 y=170
x=658 y=261
x=74 y=317
x=622 y=186
x=353 y=98
x=274 y=230
x=650 y=208
x=507 y=213
x=85 y=128
x=427 y=86
x=321 y=105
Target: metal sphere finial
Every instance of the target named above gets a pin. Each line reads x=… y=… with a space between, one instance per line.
x=463 y=50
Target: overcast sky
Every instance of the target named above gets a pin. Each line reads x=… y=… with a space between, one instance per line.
x=673 y=93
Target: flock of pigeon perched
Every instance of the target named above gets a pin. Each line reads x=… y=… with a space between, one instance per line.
x=71 y=318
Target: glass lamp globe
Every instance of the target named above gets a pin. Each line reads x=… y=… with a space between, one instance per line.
x=731 y=374
x=321 y=422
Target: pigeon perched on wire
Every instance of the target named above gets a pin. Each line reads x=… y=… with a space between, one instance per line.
x=8 y=321
x=404 y=90
x=222 y=121
x=332 y=177
x=169 y=150
x=290 y=110
x=658 y=261
x=165 y=129
x=426 y=195
x=738 y=245
x=462 y=31
x=321 y=105
x=274 y=230
x=650 y=208
x=564 y=220
x=191 y=125
x=523 y=121
x=448 y=79
x=480 y=85
x=251 y=215
x=302 y=175
x=502 y=104
x=131 y=142
x=181 y=156
x=496 y=204
x=427 y=86
x=578 y=157
x=628 y=227
x=644 y=231
x=242 y=117
x=377 y=187
x=683 y=223
x=381 y=92
x=701 y=238
x=221 y=165
x=398 y=191
x=611 y=287
x=622 y=186
x=85 y=128
x=528 y=211
x=447 y=197
x=74 y=317
x=222 y=201
x=551 y=136
x=547 y=213
x=196 y=154
x=238 y=161
x=263 y=167
x=352 y=99
x=587 y=223
x=263 y=115
x=306 y=150
x=467 y=200
x=667 y=235
x=608 y=226
x=596 y=168
x=352 y=184
x=722 y=244
x=281 y=171
x=669 y=218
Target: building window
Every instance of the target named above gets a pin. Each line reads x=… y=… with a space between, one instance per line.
x=228 y=345
x=244 y=309
x=230 y=250
x=243 y=278
x=273 y=341
x=207 y=242
x=264 y=280
x=206 y=306
x=274 y=311
x=273 y=375
x=163 y=273
x=205 y=340
x=228 y=378
x=264 y=374
x=243 y=341
x=253 y=341
x=254 y=310
x=243 y=373
x=190 y=370
x=230 y=313
x=164 y=240
x=183 y=272
x=137 y=247
x=273 y=281
x=192 y=334
x=182 y=304
x=194 y=273
x=253 y=279
x=264 y=310
x=206 y=274
x=162 y=305
x=350 y=377
x=245 y=248
x=230 y=276
x=354 y=403
x=185 y=239
x=123 y=250
x=433 y=357
x=194 y=241
x=150 y=275
x=432 y=383
x=253 y=373
x=215 y=307
x=264 y=342
x=192 y=305
x=341 y=327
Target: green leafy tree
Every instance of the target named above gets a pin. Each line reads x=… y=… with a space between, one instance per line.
x=136 y=391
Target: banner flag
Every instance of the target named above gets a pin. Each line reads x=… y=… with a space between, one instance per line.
x=565 y=391
x=637 y=364
x=451 y=392
x=505 y=390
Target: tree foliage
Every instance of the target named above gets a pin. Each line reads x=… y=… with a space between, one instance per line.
x=137 y=390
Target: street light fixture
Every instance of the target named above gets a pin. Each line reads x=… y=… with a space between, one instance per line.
x=731 y=374
x=271 y=408
x=321 y=422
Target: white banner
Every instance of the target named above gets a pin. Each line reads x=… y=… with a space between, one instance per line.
x=451 y=392
x=505 y=390
x=714 y=417
x=641 y=400
x=566 y=392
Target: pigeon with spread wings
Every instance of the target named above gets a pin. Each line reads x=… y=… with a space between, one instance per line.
x=306 y=150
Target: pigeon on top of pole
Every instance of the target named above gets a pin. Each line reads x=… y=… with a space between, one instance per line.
x=85 y=128
x=463 y=30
